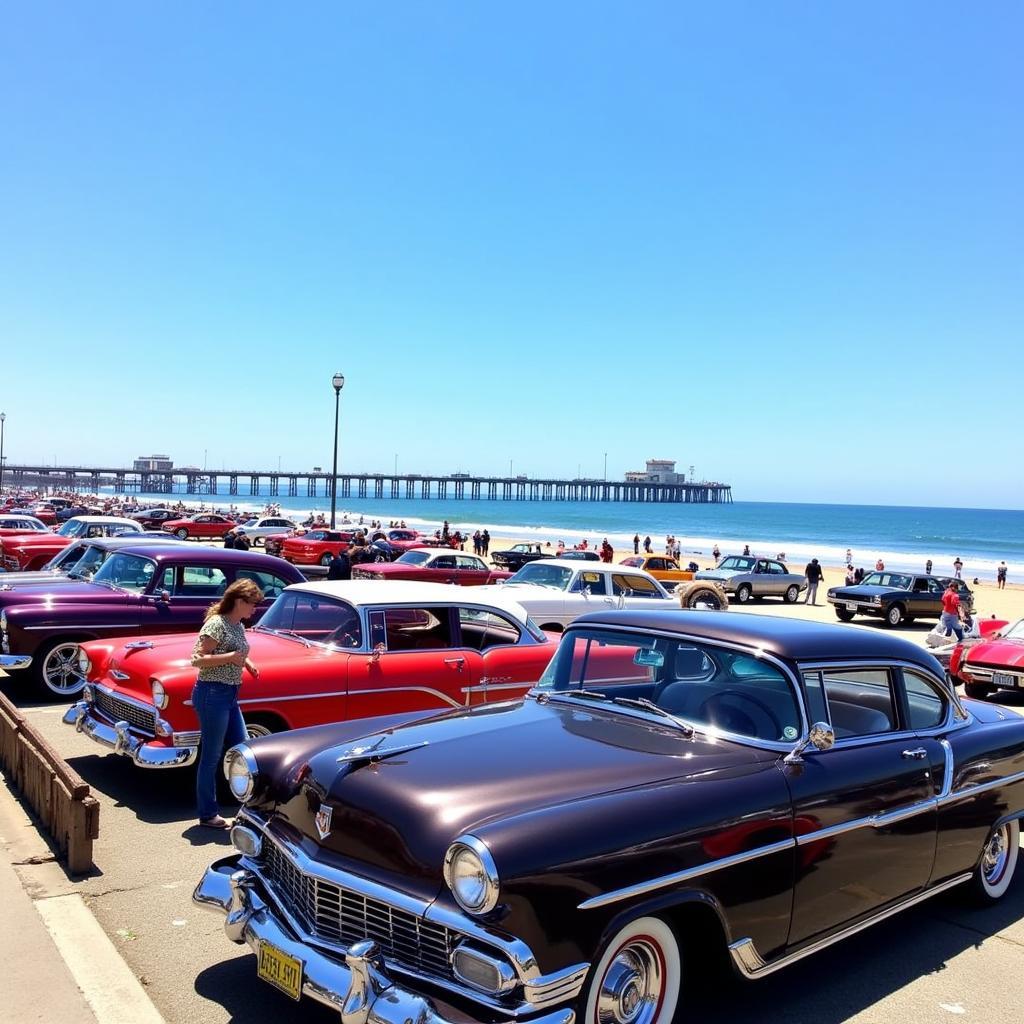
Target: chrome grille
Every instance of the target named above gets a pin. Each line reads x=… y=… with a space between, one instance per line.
x=343 y=916
x=118 y=710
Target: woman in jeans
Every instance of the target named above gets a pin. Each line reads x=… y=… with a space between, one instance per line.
x=221 y=653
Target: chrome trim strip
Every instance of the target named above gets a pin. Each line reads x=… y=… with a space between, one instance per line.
x=266 y=699
x=489 y=687
x=947 y=772
x=408 y=689
x=751 y=964
x=641 y=888
x=89 y=625
x=982 y=787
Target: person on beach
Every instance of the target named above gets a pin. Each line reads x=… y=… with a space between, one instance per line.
x=950 y=618
x=676 y=548
x=849 y=557
x=340 y=567
x=647 y=544
x=746 y=549
x=476 y=542
x=958 y=567
x=716 y=553
x=851 y=575
x=1001 y=576
x=636 y=543
x=879 y=566
x=607 y=552
x=928 y=567
x=813 y=573
x=221 y=653
x=229 y=539
x=485 y=540
x=561 y=546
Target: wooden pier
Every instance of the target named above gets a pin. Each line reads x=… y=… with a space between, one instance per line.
x=361 y=485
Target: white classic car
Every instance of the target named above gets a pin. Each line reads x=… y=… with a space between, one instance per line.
x=260 y=528
x=555 y=591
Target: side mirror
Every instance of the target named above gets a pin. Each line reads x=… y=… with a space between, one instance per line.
x=821 y=736
x=164 y=597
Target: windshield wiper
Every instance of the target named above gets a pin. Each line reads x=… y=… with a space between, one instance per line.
x=648 y=705
x=287 y=632
x=583 y=694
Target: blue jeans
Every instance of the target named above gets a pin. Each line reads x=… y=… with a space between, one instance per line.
x=950 y=621
x=220 y=727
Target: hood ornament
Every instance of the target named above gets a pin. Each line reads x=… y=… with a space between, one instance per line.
x=374 y=751
x=323 y=821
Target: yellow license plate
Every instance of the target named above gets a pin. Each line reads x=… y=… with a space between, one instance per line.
x=280 y=969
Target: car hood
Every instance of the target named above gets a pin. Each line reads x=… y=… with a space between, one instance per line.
x=17 y=580
x=64 y=592
x=862 y=591
x=716 y=574
x=999 y=653
x=459 y=771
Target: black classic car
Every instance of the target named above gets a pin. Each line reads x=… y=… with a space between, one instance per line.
x=676 y=782
x=515 y=557
x=895 y=596
x=140 y=588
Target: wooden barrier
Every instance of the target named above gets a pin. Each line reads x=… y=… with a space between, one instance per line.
x=56 y=793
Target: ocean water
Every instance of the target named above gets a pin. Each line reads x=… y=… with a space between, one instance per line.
x=903 y=537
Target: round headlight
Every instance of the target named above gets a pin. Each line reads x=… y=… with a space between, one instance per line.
x=159 y=693
x=84 y=664
x=241 y=771
x=471 y=875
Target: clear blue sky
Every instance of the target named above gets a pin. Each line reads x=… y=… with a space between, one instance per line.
x=780 y=242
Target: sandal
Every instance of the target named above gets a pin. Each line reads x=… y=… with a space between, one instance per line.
x=215 y=822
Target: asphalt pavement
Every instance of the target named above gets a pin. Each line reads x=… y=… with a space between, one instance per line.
x=943 y=959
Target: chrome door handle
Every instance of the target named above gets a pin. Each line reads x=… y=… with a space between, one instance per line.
x=917 y=754
x=455 y=661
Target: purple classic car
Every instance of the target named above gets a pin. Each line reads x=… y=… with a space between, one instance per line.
x=677 y=784
x=140 y=589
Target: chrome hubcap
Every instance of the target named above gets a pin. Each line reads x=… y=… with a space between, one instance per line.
x=632 y=986
x=993 y=860
x=256 y=731
x=60 y=672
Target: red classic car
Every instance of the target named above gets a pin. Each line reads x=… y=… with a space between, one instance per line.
x=435 y=565
x=325 y=652
x=29 y=551
x=399 y=539
x=12 y=524
x=46 y=514
x=993 y=662
x=315 y=546
x=154 y=518
x=205 y=526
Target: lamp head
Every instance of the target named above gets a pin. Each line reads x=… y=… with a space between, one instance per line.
x=338 y=380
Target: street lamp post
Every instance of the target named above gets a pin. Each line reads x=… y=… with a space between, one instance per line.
x=3 y=418
x=338 y=381
x=606 y=465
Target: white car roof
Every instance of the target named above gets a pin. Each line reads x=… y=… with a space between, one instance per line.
x=95 y=520
x=589 y=565
x=376 y=592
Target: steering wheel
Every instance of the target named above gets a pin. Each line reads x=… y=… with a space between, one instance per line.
x=342 y=638
x=736 y=720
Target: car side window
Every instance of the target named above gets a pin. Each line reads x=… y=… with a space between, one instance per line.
x=270 y=584
x=468 y=562
x=926 y=706
x=411 y=629
x=592 y=581
x=481 y=629
x=623 y=583
x=656 y=563
x=200 y=581
x=444 y=562
x=860 y=701
x=776 y=568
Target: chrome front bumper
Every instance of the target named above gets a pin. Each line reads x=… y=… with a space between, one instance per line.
x=359 y=989
x=14 y=661
x=118 y=738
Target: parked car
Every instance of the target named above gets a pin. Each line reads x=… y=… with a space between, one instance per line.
x=316 y=547
x=154 y=518
x=712 y=782
x=555 y=591
x=438 y=565
x=260 y=527
x=895 y=597
x=46 y=513
x=664 y=569
x=745 y=577
x=577 y=554
x=205 y=526
x=33 y=550
x=515 y=557
x=12 y=524
x=399 y=539
x=327 y=652
x=79 y=560
x=141 y=589
x=992 y=662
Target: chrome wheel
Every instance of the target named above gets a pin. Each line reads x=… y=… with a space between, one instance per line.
x=181 y=534
x=255 y=730
x=743 y=593
x=998 y=862
x=637 y=978
x=792 y=593
x=59 y=672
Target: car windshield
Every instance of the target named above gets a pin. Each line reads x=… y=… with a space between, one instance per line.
x=714 y=689
x=313 y=618
x=737 y=563
x=1014 y=631
x=126 y=572
x=542 y=574
x=73 y=528
x=896 y=580
x=417 y=557
x=88 y=561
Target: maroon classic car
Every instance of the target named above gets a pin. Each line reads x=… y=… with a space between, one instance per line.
x=140 y=589
x=754 y=786
x=432 y=565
